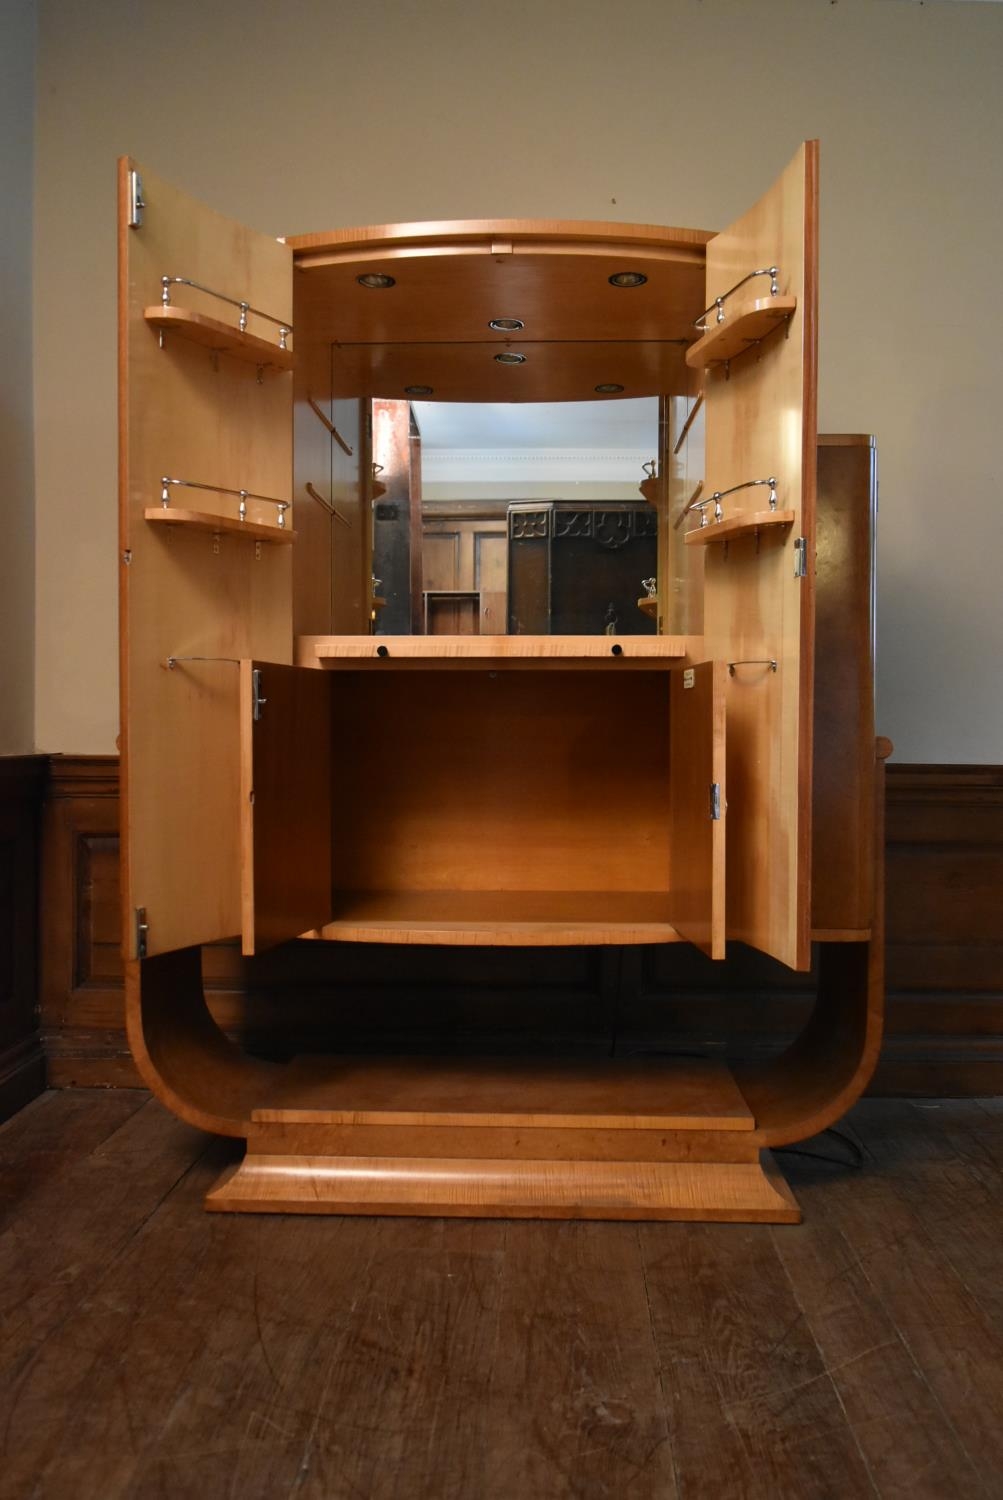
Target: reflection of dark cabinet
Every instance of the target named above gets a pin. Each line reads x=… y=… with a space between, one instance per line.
x=575 y=567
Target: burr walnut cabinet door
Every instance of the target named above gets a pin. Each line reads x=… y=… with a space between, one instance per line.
x=205 y=410
x=698 y=805
x=760 y=582
x=285 y=801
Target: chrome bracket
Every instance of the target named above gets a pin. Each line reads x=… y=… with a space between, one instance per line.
x=134 y=217
x=142 y=931
x=715 y=801
x=801 y=557
x=258 y=700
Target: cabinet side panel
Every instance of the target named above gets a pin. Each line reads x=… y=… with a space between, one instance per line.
x=189 y=413
x=843 y=790
x=761 y=423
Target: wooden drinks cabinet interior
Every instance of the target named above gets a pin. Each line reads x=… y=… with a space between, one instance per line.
x=291 y=773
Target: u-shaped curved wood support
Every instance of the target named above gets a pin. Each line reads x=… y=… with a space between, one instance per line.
x=308 y=1153
x=827 y=1068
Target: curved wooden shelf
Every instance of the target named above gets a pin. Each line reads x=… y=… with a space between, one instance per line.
x=746 y=326
x=504 y=919
x=649 y=489
x=649 y=606
x=746 y=524
x=220 y=338
x=203 y=520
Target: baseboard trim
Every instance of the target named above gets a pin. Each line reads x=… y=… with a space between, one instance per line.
x=22 y=1075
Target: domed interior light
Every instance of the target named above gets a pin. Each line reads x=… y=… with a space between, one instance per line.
x=509 y=357
x=610 y=389
x=507 y=325
x=627 y=278
x=376 y=280
x=418 y=390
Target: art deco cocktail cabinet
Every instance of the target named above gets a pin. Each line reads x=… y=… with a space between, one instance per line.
x=263 y=791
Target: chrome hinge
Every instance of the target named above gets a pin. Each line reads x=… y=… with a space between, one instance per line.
x=258 y=699
x=136 y=204
x=801 y=557
x=715 y=800
x=142 y=931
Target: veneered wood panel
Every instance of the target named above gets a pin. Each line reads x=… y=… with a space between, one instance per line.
x=513 y=781
x=678 y=1094
x=697 y=838
x=185 y=596
x=285 y=800
x=843 y=779
x=440 y=559
x=760 y=423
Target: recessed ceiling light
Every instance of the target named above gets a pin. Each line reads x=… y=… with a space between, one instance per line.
x=376 y=280
x=608 y=390
x=509 y=357
x=418 y=390
x=506 y=325
x=627 y=278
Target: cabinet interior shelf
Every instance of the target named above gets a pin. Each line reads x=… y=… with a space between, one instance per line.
x=746 y=524
x=219 y=337
x=203 y=520
x=739 y=331
x=649 y=606
x=500 y=918
x=500 y=651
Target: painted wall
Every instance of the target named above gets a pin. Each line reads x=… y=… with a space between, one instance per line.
x=313 y=114
x=17 y=549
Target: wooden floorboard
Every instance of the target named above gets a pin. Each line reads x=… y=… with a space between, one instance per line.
x=753 y=1408
x=151 y=1351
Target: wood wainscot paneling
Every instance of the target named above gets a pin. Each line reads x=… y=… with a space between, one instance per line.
x=945 y=963
x=944 y=842
x=22 y=1060
x=81 y=998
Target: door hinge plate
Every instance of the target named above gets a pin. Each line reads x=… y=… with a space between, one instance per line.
x=715 y=801
x=142 y=931
x=801 y=557
x=136 y=204
x=258 y=699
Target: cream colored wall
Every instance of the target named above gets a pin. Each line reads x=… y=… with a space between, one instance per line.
x=317 y=114
x=17 y=546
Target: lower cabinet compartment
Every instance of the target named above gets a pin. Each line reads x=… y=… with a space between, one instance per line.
x=484 y=806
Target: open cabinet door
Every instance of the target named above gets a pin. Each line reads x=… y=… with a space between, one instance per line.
x=205 y=463
x=285 y=795
x=697 y=805
x=760 y=404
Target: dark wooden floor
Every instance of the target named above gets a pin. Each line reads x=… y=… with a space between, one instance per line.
x=150 y=1350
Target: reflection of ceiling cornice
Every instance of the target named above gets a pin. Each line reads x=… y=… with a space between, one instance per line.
x=620 y=465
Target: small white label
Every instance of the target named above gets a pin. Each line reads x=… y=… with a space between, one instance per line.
x=689 y=677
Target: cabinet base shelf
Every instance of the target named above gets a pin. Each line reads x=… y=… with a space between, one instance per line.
x=500 y=918
x=745 y=1192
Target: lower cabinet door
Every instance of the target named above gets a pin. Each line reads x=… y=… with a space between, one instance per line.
x=285 y=801
x=698 y=804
